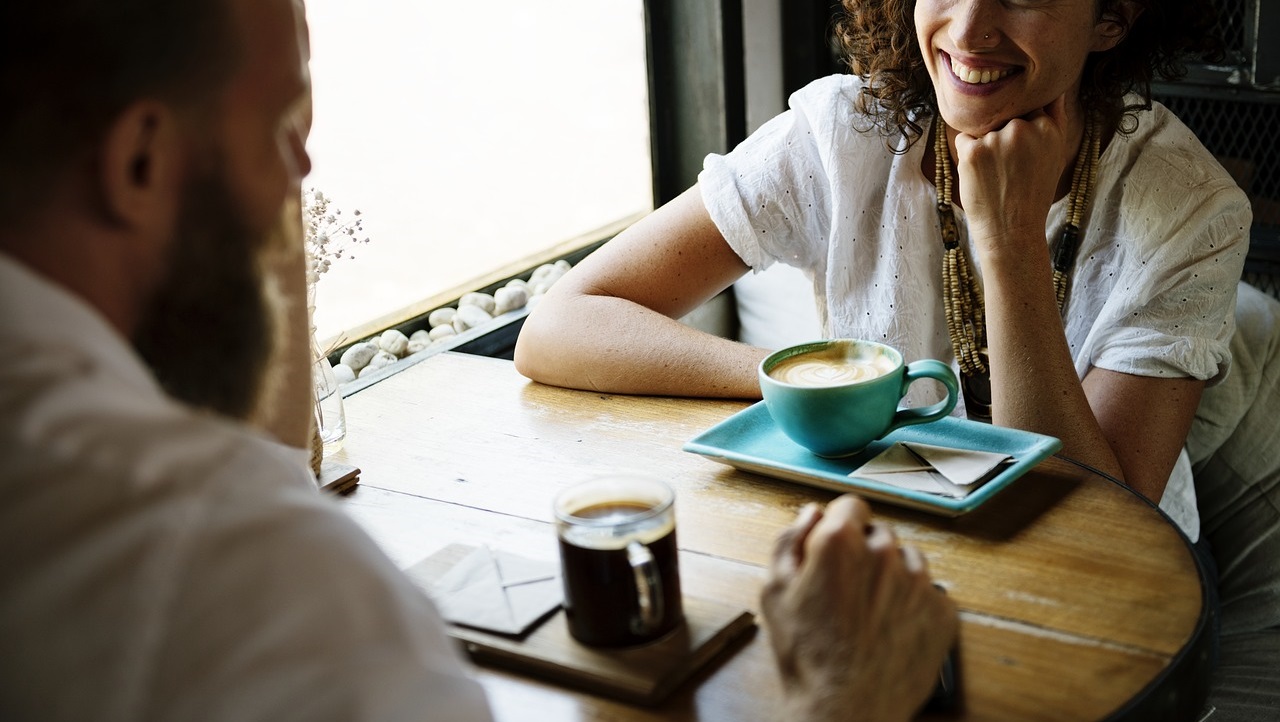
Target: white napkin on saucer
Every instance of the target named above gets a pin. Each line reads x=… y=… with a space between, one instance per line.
x=497 y=591
x=931 y=469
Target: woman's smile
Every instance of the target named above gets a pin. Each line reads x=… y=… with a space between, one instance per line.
x=977 y=77
x=992 y=61
x=977 y=74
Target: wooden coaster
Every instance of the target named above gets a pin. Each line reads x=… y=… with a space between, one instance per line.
x=644 y=675
x=337 y=478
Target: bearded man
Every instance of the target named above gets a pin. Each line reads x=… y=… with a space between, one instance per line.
x=163 y=558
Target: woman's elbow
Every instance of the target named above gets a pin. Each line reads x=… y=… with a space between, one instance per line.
x=529 y=353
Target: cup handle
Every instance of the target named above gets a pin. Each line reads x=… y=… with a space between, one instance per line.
x=648 y=588
x=927 y=369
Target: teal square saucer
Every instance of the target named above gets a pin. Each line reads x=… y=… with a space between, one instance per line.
x=749 y=440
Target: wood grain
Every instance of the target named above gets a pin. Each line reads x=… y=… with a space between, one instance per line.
x=1076 y=593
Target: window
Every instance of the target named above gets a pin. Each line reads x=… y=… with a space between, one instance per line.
x=470 y=136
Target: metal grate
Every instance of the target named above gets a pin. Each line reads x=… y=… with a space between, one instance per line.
x=1230 y=27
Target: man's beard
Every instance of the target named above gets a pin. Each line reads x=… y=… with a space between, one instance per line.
x=208 y=333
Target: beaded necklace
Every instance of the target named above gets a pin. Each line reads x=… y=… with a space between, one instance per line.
x=962 y=300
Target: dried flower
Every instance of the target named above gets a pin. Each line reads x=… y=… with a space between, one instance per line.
x=325 y=237
x=327 y=233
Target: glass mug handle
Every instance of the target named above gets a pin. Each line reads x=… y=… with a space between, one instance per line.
x=648 y=588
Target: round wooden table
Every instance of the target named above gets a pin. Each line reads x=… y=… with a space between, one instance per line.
x=1079 y=600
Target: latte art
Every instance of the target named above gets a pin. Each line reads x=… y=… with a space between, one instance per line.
x=831 y=368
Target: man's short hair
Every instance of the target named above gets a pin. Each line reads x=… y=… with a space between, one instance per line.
x=69 y=67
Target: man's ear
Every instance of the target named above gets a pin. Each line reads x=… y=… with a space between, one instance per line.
x=140 y=159
x=1115 y=23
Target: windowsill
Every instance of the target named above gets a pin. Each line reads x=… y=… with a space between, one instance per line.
x=496 y=338
x=489 y=340
x=413 y=317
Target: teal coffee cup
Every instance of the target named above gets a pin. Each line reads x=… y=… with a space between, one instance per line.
x=835 y=397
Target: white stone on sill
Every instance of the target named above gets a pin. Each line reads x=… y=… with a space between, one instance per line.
x=547 y=273
x=483 y=301
x=469 y=317
x=441 y=317
x=380 y=360
x=359 y=355
x=393 y=342
x=439 y=333
x=420 y=335
x=509 y=298
x=343 y=374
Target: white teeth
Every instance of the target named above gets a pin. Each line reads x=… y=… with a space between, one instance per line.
x=976 y=77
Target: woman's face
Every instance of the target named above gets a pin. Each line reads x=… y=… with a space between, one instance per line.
x=995 y=60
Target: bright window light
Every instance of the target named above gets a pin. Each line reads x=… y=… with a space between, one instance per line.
x=470 y=135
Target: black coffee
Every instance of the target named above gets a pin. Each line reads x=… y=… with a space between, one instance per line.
x=601 y=599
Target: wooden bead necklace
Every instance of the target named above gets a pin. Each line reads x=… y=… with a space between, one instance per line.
x=962 y=300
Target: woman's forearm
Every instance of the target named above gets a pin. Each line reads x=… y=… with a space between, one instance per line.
x=1034 y=384
x=610 y=323
x=610 y=344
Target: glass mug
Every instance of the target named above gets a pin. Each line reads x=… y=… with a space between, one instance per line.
x=618 y=560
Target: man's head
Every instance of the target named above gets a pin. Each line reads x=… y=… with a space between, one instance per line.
x=146 y=149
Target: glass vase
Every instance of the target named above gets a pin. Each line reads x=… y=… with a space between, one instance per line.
x=331 y=419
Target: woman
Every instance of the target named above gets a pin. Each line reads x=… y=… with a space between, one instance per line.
x=1006 y=125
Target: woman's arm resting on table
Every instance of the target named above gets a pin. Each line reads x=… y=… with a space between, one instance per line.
x=610 y=323
x=1145 y=420
x=1127 y=426
x=1131 y=427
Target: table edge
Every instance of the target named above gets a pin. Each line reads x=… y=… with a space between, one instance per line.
x=1181 y=689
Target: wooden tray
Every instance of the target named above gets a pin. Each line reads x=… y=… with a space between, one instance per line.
x=644 y=675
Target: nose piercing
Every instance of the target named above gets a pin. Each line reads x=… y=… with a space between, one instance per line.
x=986 y=37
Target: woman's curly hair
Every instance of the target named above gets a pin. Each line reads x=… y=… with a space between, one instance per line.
x=878 y=39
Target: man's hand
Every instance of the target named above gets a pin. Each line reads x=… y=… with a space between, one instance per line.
x=857 y=627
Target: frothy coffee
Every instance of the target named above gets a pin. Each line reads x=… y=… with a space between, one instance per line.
x=832 y=367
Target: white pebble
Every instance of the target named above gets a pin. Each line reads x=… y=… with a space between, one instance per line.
x=420 y=344
x=380 y=360
x=442 y=332
x=343 y=374
x=483 y=301
x=358 y=356
x=518 y=283
x=509 y=299
x=563 y=265
x=542 y=272
x=419 y=335
x=441 y=316
x=469 y=317
x=533 y=302
x=393 y=342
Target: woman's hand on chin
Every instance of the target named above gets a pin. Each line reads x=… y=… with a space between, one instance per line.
x=1010 y=176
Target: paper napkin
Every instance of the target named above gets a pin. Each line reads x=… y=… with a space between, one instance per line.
x=932 y=469
x=497 y=591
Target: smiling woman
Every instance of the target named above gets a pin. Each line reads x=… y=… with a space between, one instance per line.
x=470 y=136
x=1083 y=282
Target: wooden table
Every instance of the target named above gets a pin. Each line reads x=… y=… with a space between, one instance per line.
x=1078 y=599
